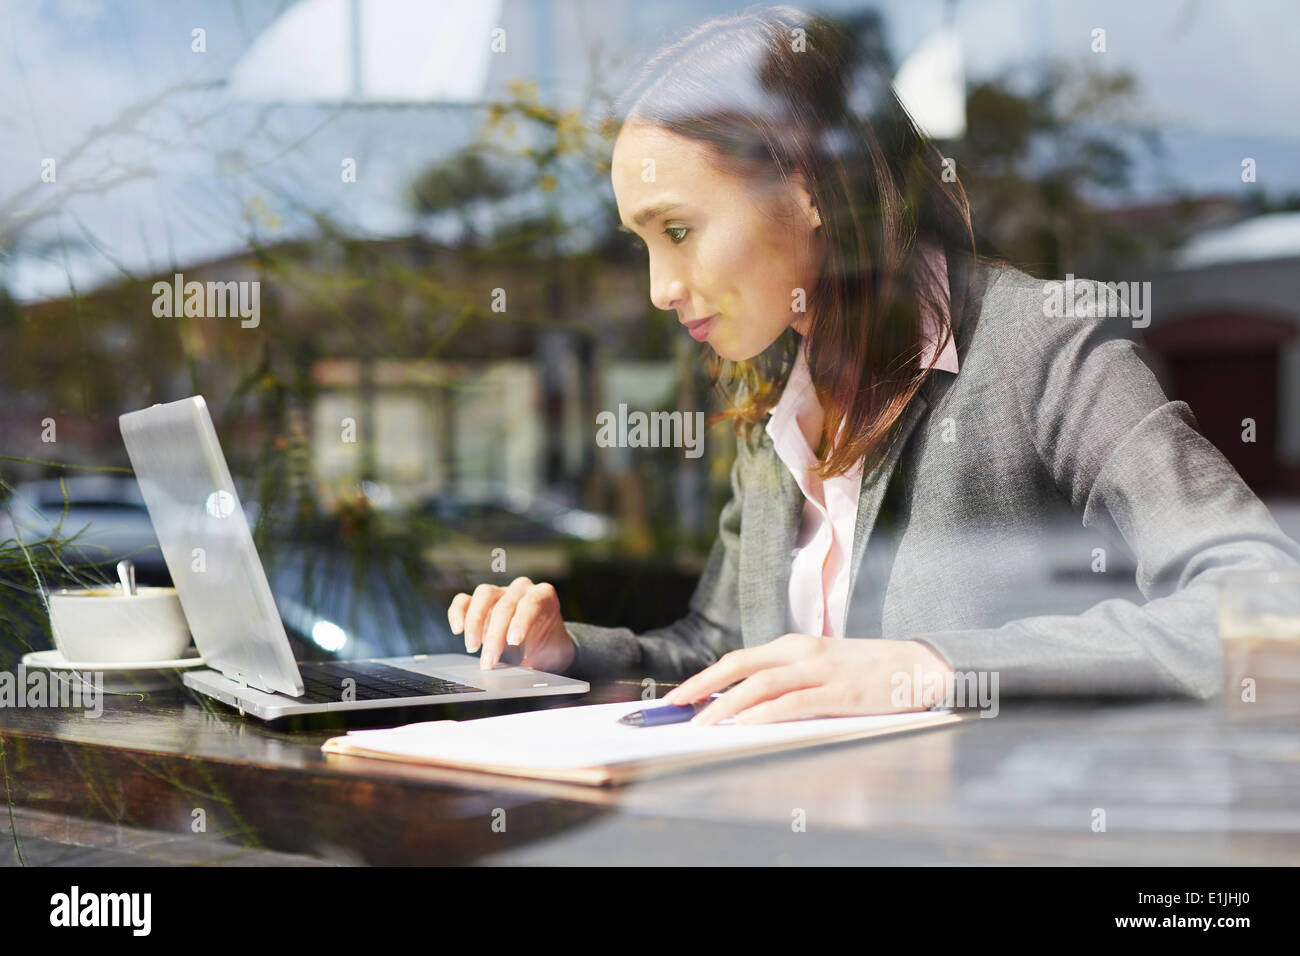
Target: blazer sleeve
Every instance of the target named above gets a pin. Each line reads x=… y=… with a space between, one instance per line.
x=1136 y=467
x=675 y=652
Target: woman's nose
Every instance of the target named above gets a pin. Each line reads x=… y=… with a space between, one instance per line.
x=666 y=292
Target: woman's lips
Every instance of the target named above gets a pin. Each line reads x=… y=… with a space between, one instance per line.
x=700 y=328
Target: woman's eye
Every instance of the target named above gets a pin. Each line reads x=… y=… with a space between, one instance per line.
x=671 y=231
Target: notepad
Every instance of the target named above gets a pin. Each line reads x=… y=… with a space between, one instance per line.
x=588 y=745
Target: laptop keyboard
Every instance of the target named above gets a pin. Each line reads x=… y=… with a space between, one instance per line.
x=323 y=682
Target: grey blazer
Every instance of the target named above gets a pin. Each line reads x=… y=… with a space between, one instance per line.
x=1046 y=416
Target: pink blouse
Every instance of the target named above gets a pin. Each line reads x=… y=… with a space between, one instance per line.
x=819 y=573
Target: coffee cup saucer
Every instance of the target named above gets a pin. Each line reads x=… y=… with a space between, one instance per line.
x=54 y=660
x=117 y=677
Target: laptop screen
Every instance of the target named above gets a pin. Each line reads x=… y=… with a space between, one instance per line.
x=207 y=544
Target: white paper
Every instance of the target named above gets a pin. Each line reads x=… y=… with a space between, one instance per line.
x=591 y=736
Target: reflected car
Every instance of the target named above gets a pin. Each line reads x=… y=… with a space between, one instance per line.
x=107 y=510
x=516 y=519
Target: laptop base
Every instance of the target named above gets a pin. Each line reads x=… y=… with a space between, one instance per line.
x=503 y=682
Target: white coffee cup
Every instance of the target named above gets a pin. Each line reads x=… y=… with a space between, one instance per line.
x=103 y=625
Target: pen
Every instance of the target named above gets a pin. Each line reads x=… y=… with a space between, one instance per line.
x=666 y=713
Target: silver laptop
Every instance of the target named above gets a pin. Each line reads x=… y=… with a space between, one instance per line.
x=223 y=591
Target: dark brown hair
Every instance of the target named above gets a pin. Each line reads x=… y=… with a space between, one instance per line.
x=770 y=91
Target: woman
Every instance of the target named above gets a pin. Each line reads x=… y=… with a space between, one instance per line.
x=913 y=420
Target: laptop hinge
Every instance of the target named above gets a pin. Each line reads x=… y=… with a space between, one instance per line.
x=243 y=685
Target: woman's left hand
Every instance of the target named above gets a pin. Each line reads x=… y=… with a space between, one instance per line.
x=802 y=675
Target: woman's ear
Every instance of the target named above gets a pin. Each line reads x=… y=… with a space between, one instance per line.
x=803 y=199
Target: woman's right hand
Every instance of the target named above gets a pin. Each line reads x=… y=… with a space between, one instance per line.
x=523 y=614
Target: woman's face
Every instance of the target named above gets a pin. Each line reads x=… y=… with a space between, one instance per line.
x=720 y=253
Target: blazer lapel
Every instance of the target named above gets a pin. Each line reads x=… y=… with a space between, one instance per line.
x=874 y=486
x=961 y=269
x=769 y=526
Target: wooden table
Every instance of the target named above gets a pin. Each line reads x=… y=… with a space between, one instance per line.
x=1179 y=782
